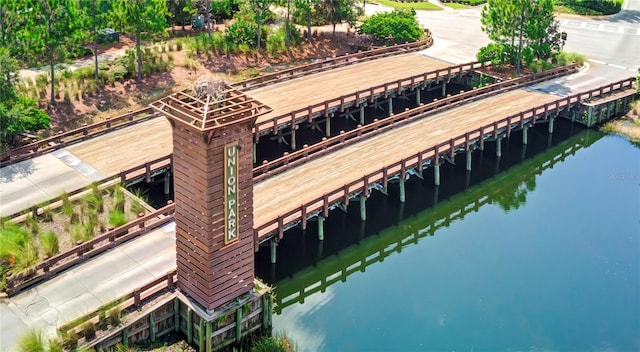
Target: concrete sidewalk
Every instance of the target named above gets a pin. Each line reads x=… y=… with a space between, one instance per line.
x=36 y=180
x=87 y=287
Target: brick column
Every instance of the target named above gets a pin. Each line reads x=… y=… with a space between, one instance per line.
x=213 y=186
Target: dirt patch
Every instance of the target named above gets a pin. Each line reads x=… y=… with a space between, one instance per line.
x=121 y=97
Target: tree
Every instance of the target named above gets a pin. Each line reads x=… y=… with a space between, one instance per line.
x=143 y=18
x=54 y=28
x=96 y=15
x=260 y=8
x=396 y=26
x=527 y=20
x=307 y=7
x=182 y=10
x=17 y=113
x=338 y=11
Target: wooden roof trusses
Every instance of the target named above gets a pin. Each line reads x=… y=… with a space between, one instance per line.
x=210 y=105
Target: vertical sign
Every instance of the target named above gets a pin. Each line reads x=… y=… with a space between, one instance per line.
x=230 y=193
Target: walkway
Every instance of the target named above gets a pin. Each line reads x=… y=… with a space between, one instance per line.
x=103 y=279
x=87 y=287
x=34 y=181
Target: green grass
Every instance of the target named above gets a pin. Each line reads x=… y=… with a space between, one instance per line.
x=50 y=244
x=31 y=341
x=588 y=7
x=455 y=5
x=410 y=5
x=117 y=218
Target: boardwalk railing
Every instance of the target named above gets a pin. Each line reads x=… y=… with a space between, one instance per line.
x=358 y=97
x=378 y=248
x=328 y=145
x=364 y=185
x=329 y=64
x=146 y=170
x=65 y=139
x=130 y=299
x=77 y=135
x=89 y=249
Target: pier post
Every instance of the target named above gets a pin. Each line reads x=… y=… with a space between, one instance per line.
x=402 y=194
x=444 y=88
x=525 y=135
x=363 y=207
x=362 y=114
x=573 y=115
x=274 y=250
x=293 y=137
x=320 y=228
x=207 y=336
x=589 y=116
x=436 y=192
x=167 y=183
x=469 y=159
x=390 y=105
x=499 y=147
x=327 y=128
x=467 y=179
x=436 y=174
x=418 y=100
x=189 y=325
x=551 y=120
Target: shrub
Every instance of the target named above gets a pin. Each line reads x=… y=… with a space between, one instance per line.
x=494 y=53
x=396 y=26
x=31 y=342
x=89 y=330
x=117 y=218
x=70 y=340
x=273 y=344
x=50 y=244
x=17 y=247
x=114 y=315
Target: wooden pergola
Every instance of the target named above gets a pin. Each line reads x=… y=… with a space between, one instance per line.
x=208 y=113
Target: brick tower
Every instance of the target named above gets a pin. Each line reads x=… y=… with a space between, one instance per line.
x=213 y=185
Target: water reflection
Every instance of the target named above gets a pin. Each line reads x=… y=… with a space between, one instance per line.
x=292 y=323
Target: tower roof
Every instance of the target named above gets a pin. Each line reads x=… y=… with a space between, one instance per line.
x=210 y=104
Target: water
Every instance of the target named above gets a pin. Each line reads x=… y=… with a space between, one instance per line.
x=544 y=256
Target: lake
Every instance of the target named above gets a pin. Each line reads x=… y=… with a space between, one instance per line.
x=536 y=251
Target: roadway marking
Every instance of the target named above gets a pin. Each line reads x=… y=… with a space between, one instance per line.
x=613 y=65
x=600 y=27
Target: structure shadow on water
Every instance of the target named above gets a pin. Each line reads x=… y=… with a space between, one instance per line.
x=306 y=265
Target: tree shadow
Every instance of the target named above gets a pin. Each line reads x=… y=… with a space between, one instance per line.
x=17 y=171
x=630 y=16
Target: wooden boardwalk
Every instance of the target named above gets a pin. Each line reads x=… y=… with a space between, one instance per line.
x=325 y=174
x=133 y=146
x=292 y=95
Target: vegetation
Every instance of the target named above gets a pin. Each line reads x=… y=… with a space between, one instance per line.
x=277 y=343
x=589 y=7
x=520 y=31
x=393 y=27
x=24 y=244
x=142 y=18
x=409 y=5
x=18 y=113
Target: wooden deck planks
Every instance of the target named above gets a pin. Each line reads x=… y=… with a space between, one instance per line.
x=300 y=93
x=289 y=190
x=126 y=148
x=133 y=146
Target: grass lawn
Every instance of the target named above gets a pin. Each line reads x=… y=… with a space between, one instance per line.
x=410 y=5
x=455 y=5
